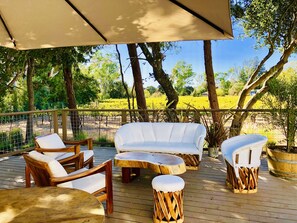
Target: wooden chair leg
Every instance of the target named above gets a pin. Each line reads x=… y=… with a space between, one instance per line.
x=27 y=176
x=108 y=180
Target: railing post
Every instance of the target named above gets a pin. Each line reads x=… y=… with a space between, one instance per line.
x=64 y=124
x=55 y=121
x=124 y=117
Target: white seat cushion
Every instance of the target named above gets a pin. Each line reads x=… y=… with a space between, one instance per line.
x=89 y=184
x=87 y=155
x=168 y=183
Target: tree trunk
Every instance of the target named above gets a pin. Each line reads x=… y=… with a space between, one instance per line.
x=140 y=98
x=211 y=85
x=240 y=116
x=30 y=91
x=74 y=117
x=155 y=60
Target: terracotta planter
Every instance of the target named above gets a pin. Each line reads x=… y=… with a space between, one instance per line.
x=282 y=164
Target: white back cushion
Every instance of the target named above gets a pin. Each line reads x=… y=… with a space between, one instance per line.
x=148 y=132
x=177 y=133
x=189 y=134
x=162 y=131
x=57 y=170
x=52 y=141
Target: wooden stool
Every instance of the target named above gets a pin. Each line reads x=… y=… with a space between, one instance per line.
x=168 y=198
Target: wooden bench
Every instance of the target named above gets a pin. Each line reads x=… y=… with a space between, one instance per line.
x=131 y=162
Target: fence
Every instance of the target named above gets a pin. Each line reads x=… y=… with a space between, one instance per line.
x=17 y=130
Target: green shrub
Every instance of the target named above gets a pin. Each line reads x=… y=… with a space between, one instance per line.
x=81 y=135
x=16 y=137
x=4 y=142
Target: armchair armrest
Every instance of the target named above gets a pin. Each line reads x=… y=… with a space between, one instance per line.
x=88 y=141
x=73 y=148
x=104 y=167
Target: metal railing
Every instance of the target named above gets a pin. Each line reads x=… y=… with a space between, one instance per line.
x=17 y=130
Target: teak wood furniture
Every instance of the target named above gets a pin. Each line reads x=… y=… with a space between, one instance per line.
x=49 y=204
x=131 y=162
x=65 y=152
x=47 y=171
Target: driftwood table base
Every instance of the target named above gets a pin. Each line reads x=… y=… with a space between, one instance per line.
x=131 y=162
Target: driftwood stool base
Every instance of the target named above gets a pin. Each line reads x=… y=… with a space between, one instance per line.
x=247 y=181
x=168 y=207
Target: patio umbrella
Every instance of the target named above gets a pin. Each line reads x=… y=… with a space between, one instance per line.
x=31 y=24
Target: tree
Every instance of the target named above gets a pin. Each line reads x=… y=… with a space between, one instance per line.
x=68 y=59
x=154 y=56
x=273 y=23
x=103 y=69
x=141 y=102
x=217 y=124
x=182 y=75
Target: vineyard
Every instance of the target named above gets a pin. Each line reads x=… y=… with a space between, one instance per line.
x=226 y=102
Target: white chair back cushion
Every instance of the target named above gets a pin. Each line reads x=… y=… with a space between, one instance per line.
x=56 y=169
x=241 y=146
x=51 y=141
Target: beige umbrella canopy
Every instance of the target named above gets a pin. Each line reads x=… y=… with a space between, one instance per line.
x=31 y=24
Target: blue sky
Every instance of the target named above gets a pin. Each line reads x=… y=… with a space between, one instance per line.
x=226 y=54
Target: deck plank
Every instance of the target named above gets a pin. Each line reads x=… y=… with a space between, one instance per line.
x=206 y=197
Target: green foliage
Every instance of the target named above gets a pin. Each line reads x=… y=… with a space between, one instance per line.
x=16 y=137
x=103 y=69
x=151 y=89
x=4 y=141
x=182 y=75
x=282 y=98
x=81 y=135
x=271 y=21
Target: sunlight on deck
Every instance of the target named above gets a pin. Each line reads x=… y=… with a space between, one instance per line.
x=206 y=197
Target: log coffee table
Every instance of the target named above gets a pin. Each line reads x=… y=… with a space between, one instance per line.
x=131 y=162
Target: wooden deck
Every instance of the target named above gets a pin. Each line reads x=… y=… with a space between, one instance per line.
x=206 y=197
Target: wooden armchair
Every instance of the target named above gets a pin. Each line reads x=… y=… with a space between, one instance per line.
x=47 y=171
x=65 y=151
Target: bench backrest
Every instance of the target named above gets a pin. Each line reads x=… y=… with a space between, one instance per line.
x=161 y=132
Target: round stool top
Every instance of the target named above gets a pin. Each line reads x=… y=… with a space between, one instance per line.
x=168 y=183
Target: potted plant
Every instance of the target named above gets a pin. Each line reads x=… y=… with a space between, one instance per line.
x=282 y=100
x=215 y=135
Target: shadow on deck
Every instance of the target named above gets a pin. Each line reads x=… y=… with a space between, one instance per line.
x=206 y=197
